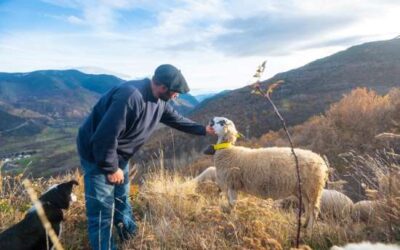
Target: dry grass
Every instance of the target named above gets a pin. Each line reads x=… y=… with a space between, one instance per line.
x=178 y=215
x=350 y=124
x=173 y=213
x=380 y=175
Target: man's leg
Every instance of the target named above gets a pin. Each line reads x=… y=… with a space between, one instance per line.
x=123 y=216
x=99 y=198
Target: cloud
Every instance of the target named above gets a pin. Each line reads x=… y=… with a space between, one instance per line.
x=75 y=20
x=216 y=43
x=340 y=41
x=98 y=14
x=274 y=34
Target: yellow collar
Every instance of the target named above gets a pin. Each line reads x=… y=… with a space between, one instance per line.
x=223 y=145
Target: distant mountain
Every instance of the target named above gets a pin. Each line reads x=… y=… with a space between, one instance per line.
x=307 y=91
x=185 y=103
x=202 y=97
x=67 y=94
x=58 y=95
x=310 y=89
x=100 y=71
x=40 y=111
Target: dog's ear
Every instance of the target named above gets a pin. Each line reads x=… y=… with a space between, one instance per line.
x=61 y=195
x=68 y=186
x=73 y=182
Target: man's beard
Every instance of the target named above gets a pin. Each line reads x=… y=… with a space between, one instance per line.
x=165 y=97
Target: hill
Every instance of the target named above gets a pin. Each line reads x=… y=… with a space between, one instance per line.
x=55 y=94
x=42 y=110
x=310 y=89
x=60 y=94
x=307 y=91
x=174 y=213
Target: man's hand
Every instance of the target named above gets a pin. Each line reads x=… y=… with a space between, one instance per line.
x=210 y=130
x=117 y=177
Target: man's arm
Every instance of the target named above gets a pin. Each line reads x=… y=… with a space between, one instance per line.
x=105 y=140
x=173 y=119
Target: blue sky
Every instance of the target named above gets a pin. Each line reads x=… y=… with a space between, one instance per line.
x=217 y=44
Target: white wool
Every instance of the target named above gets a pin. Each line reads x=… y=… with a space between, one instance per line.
x=209 y=174
x=335 y=205
x=364 y=211
x=367 y=246
x=268 y=172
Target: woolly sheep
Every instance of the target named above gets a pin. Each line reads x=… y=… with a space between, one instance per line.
x=334 y=205
x=267 y=172
x=364 y=211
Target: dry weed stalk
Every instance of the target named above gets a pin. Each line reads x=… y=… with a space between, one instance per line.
x=40 y=211
x=380 y=175
x=267 y=94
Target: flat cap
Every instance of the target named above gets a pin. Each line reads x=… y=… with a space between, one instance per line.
x=171 y=77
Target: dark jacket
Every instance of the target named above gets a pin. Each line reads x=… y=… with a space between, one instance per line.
x=122 y=121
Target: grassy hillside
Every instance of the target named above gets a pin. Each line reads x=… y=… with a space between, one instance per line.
x=308 y=91
x=42 y=111
x=174 y=213
x=55 y=152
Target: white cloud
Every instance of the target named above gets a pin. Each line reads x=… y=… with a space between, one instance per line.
x=75 y=20
x=99 y=14
x=199 y=37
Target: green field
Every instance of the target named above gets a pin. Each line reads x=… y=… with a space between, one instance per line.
x=55 y=147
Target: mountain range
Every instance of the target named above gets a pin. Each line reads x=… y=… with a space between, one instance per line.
x=306 y=91
x=50 y=98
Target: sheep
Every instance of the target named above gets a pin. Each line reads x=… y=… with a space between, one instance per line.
x=367 y=246
x=364 y=211
x=267 y=172
x=334 y=205
x=210 y=174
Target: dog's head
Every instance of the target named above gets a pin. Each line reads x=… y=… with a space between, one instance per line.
x=225 y=129
x=60 y=195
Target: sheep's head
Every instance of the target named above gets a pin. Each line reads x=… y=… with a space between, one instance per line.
x=225 y=129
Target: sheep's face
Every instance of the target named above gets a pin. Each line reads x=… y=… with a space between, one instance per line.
x=225 y=129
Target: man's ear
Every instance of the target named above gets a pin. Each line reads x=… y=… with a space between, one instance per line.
x=163 y=88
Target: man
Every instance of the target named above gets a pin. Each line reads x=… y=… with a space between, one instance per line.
x=119 y=124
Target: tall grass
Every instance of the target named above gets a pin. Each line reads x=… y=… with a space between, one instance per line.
x=379 y=174
x=172 y=212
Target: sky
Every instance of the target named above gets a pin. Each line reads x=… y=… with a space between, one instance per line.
x=216 y=44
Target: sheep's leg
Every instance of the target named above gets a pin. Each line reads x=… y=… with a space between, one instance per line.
x=232 y=196
x=210 y=174
x=314 y=209
x=306 y=205
x=314 y=214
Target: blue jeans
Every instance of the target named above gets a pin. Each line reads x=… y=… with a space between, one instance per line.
x=107 y=204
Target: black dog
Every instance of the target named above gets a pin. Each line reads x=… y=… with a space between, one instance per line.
x=29 y=233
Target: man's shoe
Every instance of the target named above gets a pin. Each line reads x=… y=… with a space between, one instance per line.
x=124 y=233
